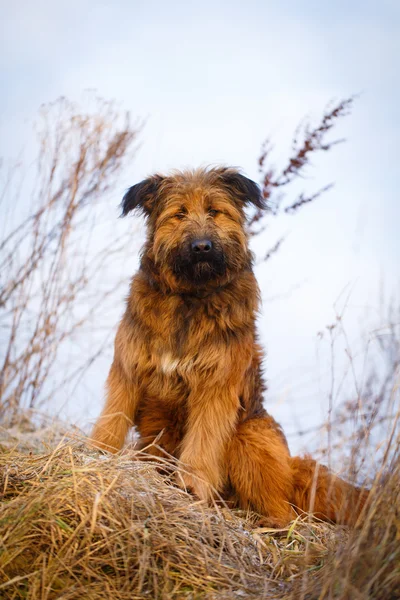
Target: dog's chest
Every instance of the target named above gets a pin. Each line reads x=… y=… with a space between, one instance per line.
x=168 y=363
x=179 y=348
x=171 y=366
x=185 y=341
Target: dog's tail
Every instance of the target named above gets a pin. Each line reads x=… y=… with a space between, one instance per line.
x=317 y=490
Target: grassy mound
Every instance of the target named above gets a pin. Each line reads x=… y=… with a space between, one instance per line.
x=75 y=524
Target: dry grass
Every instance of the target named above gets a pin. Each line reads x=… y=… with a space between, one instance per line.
x=78 y=524
x=368 y=564
x=56 y=258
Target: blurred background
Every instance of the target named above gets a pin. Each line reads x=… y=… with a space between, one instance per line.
x=204 y=83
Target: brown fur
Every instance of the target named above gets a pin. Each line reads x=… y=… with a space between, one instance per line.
x=187 y=366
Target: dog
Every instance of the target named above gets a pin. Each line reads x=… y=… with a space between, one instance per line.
x=187 y=368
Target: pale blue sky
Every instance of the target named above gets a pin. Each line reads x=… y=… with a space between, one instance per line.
x=213 y=79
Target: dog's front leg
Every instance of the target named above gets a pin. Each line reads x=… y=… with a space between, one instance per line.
x=213 y=412
x=117 y=417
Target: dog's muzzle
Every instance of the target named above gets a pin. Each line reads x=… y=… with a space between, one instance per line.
x=200 y=260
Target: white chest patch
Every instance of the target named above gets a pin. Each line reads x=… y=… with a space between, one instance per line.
x=168 y=363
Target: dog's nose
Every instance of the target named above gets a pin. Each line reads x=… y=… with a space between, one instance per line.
x=201 y=246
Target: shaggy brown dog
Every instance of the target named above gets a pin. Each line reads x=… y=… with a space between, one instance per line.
x=187 y=366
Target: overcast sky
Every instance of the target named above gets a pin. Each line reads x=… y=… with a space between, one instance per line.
x=212 y=80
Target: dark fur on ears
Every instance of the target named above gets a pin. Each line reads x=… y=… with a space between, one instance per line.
x=141 y=196
x=245 y=190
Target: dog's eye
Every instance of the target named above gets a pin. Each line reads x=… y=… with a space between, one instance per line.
x=180 y=215
x=212 y=212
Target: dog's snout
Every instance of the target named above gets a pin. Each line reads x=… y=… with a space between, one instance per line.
x=201 y=246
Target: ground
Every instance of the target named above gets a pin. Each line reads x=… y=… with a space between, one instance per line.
x=78 y=524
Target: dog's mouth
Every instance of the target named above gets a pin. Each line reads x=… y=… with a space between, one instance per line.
x=199 y=263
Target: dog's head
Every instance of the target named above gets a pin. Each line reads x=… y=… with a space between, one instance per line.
x=196 y=225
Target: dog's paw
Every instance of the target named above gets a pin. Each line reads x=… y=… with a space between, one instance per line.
x=196 y=484
x=274 y=522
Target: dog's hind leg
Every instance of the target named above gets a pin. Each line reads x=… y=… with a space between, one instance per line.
x=259 y=470
x=267 y=479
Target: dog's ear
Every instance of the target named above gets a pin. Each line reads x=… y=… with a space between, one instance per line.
x=243 y=189
x=142 y=196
